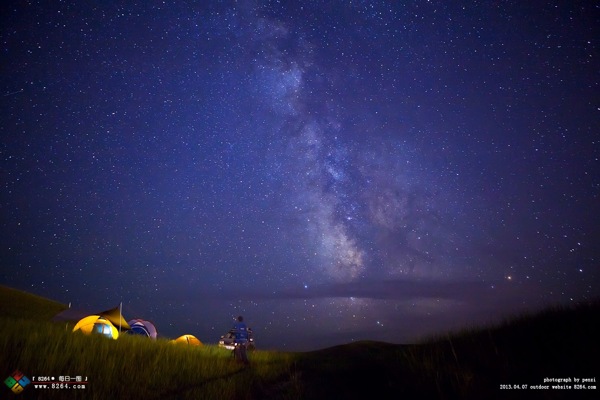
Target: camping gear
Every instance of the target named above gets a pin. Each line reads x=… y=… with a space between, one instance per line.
x=113 y=315
x=142 y=327
x=188 y=339
x=97 y=325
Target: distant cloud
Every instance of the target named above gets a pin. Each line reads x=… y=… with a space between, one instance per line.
x=405 y=289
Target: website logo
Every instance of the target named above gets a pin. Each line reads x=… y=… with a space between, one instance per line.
x=17 y=381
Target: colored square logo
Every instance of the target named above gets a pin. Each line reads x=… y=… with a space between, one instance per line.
x=17 y=381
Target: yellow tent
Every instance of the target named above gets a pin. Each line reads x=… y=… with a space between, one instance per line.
x=97 y=324
x=188 y=339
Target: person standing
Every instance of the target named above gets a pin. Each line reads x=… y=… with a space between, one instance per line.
x=241 y=340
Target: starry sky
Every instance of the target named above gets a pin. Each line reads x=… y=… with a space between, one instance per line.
x=332 y=170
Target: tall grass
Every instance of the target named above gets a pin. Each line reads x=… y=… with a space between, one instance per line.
x=557 y=342
x=135 y=366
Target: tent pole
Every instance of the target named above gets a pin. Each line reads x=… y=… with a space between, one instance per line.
x=120 y=313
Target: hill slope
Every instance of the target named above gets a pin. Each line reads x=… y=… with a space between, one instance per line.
x=473 y=364
x=18 y=304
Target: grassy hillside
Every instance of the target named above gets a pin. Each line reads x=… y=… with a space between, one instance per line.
x=467 y=365
x=17 y=304
x=473 y=364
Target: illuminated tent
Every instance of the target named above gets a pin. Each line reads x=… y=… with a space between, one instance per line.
x=98 y=325
x=188 y=339
x=142 y=327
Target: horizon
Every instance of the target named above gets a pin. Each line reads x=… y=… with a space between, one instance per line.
x=208 y=333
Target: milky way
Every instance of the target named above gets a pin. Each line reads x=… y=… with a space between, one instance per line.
x=333 y=171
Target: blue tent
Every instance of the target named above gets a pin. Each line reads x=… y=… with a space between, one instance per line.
x=142 y=327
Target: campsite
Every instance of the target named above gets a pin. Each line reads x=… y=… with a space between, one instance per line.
x=473 y=364
x=267 y=199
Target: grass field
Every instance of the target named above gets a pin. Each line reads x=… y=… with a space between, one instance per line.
x=473 y=364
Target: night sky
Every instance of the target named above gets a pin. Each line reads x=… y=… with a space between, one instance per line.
x=332 y=171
